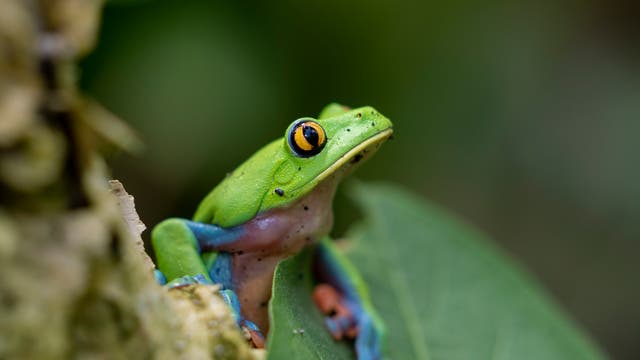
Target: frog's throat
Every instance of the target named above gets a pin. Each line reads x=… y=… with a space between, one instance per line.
x=375 y=139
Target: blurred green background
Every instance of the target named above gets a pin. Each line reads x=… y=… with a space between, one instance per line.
x=521 y=117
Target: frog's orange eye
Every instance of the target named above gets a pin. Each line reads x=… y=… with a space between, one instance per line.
x=306 y=138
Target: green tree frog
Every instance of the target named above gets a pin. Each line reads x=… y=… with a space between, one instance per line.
x=271 y=207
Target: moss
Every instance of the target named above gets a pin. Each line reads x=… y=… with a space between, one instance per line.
x=75 y=282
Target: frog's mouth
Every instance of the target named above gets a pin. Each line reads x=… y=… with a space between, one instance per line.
x=347 y=162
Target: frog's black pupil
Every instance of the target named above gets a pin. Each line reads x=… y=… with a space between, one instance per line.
x=311 y=135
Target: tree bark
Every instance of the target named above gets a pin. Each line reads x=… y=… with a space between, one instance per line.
x=74 y=281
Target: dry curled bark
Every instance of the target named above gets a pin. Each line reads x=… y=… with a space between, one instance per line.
x=73 y=281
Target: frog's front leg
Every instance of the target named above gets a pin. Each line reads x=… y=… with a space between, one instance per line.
x=342 y=297
x=179 y=245
x=177 y=250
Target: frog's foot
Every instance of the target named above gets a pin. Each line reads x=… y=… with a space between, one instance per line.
x=346 y=321
x=189 y=280
x=181 y=281
x=254 y=333
x=340 y=321
x=251 y=329
x=349 y=313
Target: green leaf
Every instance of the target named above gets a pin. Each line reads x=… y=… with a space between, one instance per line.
x=445 y=292
x=291 y=310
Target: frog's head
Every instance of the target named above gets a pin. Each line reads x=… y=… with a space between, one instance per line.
x=327 y=147
x=312 y=150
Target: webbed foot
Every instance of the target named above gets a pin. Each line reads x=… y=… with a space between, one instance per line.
x=254 y=333
x=181 y=281
x=340 y=321
x=342 y=297
x=345 y=320
x=189 y=280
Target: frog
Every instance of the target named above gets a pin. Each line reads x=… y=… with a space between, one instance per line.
x=271 y=207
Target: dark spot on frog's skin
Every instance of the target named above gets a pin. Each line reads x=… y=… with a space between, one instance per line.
x=279 y=191
x=308 y=239
x=300 y=276
x=373 y=124
x=299 y=168
x=264 y=303
x=357 y=158
x=348 y=129
x=358 y=115
x=259 y=259
x=240 y=252
x=306 y=208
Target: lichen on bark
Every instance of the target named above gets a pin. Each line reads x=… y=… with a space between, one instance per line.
x=73 y=281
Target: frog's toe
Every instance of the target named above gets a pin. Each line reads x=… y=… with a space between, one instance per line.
x=189 y=280
x=202 y=279
x=334 y=328
x=341 y=327
x=339 y=319
x=254 y=333
x=159 y=276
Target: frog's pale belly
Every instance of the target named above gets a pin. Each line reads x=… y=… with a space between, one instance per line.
x=271 y=237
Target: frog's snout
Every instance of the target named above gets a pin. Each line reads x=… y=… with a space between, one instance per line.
x=372 y=145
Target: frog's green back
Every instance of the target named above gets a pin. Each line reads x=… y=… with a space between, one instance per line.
x=275 y=177
x=239 y=196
